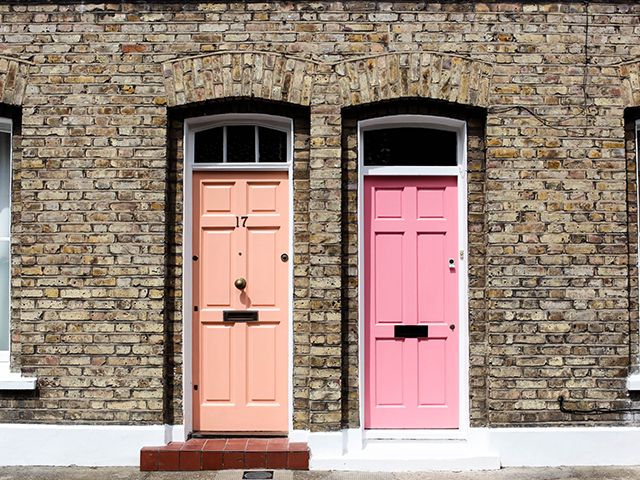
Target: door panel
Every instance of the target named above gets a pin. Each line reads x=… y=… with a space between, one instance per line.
x=216 y=250
x=262 y=258
x=241 y=228
x=217 y=363
x=389 y=277
x=262 y=364
x=410 y=235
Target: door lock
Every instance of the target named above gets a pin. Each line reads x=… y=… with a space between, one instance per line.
x=284 y=257
x=240 y=283
x=452 y=263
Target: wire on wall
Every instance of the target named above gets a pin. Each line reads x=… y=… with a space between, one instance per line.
x=584 y=109
x=593 y=411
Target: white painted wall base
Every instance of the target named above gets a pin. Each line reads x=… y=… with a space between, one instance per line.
x=557 y=446
x=481 y=449
x=354 y=450
x=86 y=445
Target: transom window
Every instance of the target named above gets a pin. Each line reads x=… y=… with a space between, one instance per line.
x=240 y=144
x=410 y=146
x=5 y=235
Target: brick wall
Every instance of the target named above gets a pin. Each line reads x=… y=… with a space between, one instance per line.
x=96 y=309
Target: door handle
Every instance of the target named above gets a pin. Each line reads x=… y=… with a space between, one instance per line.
x=240 y=283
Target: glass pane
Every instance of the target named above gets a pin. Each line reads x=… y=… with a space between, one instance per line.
x=272 y=145
x=241 y=144
x=5 y=172
x=410 y=146
x=208 y=148
x=4 y=294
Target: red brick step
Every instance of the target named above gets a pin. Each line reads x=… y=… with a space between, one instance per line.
x=226 y=453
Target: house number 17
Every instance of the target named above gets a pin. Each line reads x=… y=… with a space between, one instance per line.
x=241 y=221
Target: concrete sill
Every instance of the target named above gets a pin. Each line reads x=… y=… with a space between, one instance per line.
x=633 y=382
x=15 y=381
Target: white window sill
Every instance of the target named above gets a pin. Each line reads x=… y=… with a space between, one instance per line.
x=633 y=382
x=15 y=381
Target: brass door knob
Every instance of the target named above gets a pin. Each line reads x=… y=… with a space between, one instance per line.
x=240 y=283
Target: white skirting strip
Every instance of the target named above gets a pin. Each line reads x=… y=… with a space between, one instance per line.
x=86 y=445
x=478 y=449
x=482 y=449
x=556 y=446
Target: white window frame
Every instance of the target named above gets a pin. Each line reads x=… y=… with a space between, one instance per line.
x=460 y=172
x=199 y=124
x=633 y=380
x=191 y=127
x=8 y=379
x=6 y=126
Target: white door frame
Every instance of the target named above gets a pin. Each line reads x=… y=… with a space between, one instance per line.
x=192 y=126
x=460 y=171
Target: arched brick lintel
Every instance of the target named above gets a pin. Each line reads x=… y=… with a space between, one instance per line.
x=424 y=74
x=13 y=80
x=630 y=73
x=270 y=76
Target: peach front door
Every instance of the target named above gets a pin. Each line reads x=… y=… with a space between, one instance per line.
x=240 y=298
x=411 y=302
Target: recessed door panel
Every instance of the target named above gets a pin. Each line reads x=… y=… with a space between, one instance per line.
x=262 y=258
x=218 y=197
x=262 y=197
x=389 y=277
x=432 y=286
x=217 y=363
x=262 y=365
x=389 y=361
x=216 y=253
x=411 y=302
x=240 y=298
x=432 y=371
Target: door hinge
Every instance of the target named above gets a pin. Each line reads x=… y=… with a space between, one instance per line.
x=461 y=254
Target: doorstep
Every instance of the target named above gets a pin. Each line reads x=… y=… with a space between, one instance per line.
x=226 y=454
x=411 y=455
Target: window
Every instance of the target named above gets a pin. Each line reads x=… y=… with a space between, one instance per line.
x=410 y=146
x=633 y=380
x=8 y=380
x=240 y=144
x=5 y=232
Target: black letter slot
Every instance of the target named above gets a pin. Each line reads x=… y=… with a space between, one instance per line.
x=410 y=331
x=240 y=316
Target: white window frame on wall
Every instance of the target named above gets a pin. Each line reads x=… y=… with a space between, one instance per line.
x=199 y=124
x=633 y=380
x=6 y=126
x=460 y=172
x=191 y=127
x=9 y=380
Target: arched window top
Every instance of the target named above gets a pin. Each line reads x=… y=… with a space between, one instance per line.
x=411 y=141
x=240 y=144
x=410 y=146
x=241 y=139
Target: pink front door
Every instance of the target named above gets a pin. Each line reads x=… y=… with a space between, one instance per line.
x=411 y=302
x=240 y=339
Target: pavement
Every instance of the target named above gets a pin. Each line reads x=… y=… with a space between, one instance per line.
x=132 y=473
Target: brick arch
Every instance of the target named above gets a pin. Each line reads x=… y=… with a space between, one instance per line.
x=630 y=73
x=445 y=77
x=270 y=76
x=13 y=79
